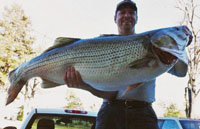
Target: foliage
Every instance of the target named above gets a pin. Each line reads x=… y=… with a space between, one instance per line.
x=191 y=18
x=73 y=102
x=172 y=111
x=15 y=41
x=20 y=113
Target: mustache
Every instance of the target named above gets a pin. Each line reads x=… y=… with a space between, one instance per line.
x=127 y=19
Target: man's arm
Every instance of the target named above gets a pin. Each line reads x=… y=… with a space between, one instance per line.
x=73 y=79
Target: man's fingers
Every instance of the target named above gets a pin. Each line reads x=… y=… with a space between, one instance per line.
x=65 y=78
x=72 y=78
x=68 y=77
x=78 y=78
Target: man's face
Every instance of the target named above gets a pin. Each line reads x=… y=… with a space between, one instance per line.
x=126 y=18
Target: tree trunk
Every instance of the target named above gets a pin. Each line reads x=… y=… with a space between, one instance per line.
x=195 y=114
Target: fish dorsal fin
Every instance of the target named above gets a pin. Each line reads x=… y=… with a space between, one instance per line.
x=48 y=84
x=62 y=41
x=106 y=35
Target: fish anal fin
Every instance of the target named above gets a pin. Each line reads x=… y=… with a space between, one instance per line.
x=48 y=84
x=62 y=41
x=131 y=87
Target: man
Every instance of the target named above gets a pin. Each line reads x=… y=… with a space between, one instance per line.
x=134 y=110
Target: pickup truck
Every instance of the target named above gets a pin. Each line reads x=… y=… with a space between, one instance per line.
x=178 y=123
x=79 y=119
x=61 y=118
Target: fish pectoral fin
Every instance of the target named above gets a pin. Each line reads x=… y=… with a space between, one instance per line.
x=48 y=84
x=139 y=63
x=62 y=41
x=131 y=87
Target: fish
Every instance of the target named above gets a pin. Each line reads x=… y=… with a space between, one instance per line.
x=107 y=63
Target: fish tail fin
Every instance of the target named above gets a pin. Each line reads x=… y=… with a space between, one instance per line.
x=14 y=90
x=16 y=84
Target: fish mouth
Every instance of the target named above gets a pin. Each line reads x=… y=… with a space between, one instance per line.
x=164 y=57
x=188 y=33
x=190 y=40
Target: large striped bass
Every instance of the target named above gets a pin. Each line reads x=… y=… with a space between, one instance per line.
x=108 y=63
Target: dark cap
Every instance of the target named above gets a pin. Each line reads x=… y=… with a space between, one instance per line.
x=127 y=3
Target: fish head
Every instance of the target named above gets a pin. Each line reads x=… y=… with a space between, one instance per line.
x=173 y=38
x=171 y=42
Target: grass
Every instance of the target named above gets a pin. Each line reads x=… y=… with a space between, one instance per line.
x=70 y=126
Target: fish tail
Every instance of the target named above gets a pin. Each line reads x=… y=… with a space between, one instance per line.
x=11 y=75
x=13 y=91
x=16 y=84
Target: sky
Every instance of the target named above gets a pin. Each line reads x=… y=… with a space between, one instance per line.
x=90 y=18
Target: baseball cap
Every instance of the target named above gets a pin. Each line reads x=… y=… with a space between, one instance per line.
x=128 y=3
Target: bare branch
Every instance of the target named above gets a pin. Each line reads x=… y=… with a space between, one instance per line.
x=198 y=33
x=189 y=8
x=197 y=93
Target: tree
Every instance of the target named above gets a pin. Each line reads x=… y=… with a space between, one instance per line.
x=191 y=18
x=16 y=41
x=29 y=93
x=172 y=111
x=20 y=113
x=73 y=102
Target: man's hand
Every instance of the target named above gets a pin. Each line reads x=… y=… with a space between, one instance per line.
x=73 y=79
